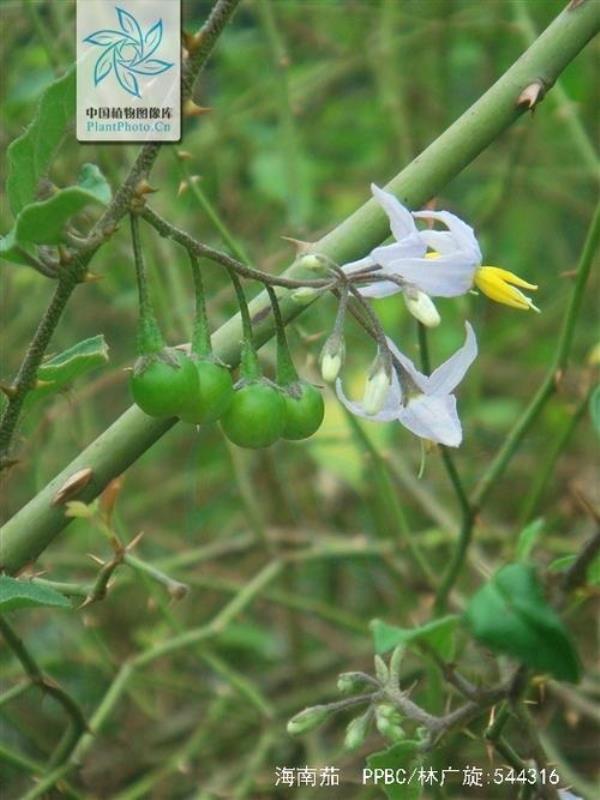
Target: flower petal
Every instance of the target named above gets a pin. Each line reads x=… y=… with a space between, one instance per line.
x=401 y=222
x=448 y=375
x=417 y=377
x=356 y=266
x=446 y=276
x=463 y=234
x=433 y=418
x=443 y=242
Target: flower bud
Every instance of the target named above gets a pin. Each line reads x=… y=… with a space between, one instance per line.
x=357 y=731
x=349 y=682
x=312 y=262
x=304 y=295
x=421 y=307
x=378 y=386
x=381 y=670
x=308 y=720
x=388 y=721
x=332 y=358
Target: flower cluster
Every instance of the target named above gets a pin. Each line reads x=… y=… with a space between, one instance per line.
x=422 y=263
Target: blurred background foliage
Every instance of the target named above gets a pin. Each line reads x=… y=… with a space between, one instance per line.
x=309 y=102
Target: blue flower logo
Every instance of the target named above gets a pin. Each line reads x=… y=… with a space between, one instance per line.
x=128 y=52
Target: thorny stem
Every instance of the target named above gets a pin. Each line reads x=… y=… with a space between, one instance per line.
x=70 y=277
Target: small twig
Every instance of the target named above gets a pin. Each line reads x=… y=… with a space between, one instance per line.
x=575 y=576
x=166 y=229
x=78 y=724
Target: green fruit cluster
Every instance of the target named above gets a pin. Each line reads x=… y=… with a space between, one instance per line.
x=253 y=414
x=170 y=383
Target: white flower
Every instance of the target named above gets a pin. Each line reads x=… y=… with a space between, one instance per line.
x=408 y=244
x=451 y=268
x=427 y=407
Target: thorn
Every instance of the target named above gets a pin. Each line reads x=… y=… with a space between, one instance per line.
x=301 y=247
x=532 y=95
x=184 y=155
x=143 y=188
x=95 y=559
x=64 y=256
x=574 y=4
x=182 y=188
x=72 y=486
x=109 y=230
x=191 y=41
x=109 y=496
x=9 y=391
x=92 y=277
x=39 y=384
x=191 y=109
x=134 y=542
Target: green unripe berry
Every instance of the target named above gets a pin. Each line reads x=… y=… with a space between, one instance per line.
x=163 y=383
x=214 y=395
x=304 y=410
x=256 y=415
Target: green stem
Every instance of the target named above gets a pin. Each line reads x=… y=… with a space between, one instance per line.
x=548 y=463
x=149 y=337
x=201 y=336
x=468 y=518
x=32 y=529
x=286 y=371
x=250 y=367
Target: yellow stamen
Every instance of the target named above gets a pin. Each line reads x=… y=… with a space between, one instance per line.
x=496 y=284
x=510 y=277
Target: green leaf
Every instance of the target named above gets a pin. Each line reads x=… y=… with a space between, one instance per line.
x=24 y=594
x=44 y=222
x=561 y=563
x=30 y=154
x=439 y=635
x=65 y=367
x=527 y=539
x=11 y=250
x=401 y=756
x=510 y=615
x=595 y=409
